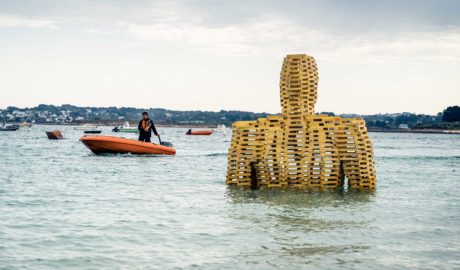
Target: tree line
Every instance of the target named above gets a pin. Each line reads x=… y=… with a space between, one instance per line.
x=449 y=118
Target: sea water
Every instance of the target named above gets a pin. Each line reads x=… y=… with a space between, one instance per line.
x=62 y=207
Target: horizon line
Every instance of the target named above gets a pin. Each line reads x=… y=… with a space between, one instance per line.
x=208 y=110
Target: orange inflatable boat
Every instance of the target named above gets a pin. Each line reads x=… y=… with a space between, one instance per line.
x=198 y=132
x=109 y=144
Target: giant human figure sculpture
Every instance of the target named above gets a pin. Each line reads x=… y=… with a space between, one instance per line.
x=300 y=149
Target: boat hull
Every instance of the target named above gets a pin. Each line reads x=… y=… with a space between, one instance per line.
x=54 y=135
x=92 y=131
x=109 y=144
x=199 y=132
x=127 y=130
x=9 y=129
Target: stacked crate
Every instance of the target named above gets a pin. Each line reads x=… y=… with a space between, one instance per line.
x=300 y=149
x=356 y=155
x=322 y=158
x=298 y=85
x=242 y=153
x=271 y=164
x=298 y=94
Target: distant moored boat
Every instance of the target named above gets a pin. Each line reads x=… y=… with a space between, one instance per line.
x=221 y=129
x=54 y=135
x=13 y=127
x=198 y=132
x=94 y=131
x=126 y=128
x=25 y=124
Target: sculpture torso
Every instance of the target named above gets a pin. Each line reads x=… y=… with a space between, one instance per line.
x=300 y=149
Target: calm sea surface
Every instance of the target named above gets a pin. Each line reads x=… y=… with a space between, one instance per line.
x=61 y=207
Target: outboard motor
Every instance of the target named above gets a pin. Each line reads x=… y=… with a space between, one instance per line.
x=167 y=144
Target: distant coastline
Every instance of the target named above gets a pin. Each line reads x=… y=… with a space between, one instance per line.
x=385 y=130
x=132 y=123
x=424 y=131
x=445 y=122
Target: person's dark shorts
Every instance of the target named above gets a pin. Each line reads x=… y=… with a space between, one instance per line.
x=144 y=139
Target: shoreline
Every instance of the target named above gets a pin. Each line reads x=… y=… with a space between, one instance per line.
x=120 y=124
x=421 y=131
x=390 y=130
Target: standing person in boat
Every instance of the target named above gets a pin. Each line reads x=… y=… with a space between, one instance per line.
x=146 y=127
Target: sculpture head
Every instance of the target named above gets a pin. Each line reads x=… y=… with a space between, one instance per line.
x=298 y=85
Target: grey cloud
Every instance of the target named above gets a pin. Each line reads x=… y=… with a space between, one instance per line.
x=363 y=30
x=326 y=15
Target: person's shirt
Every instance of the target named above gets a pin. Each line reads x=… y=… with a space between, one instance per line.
x=144 y=123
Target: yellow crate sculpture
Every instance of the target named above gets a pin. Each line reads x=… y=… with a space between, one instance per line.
x=300 y=149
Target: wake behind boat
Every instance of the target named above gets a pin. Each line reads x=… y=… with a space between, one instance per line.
x=85 y=127
x=108 y=144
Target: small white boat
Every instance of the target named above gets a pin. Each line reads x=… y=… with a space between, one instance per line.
x=221 y=128
x=25 y=124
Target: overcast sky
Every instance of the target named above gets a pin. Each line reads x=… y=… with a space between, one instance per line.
x=373 y=56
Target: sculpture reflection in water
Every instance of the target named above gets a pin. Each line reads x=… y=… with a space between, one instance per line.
x=297 y=225
x=296 y=199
